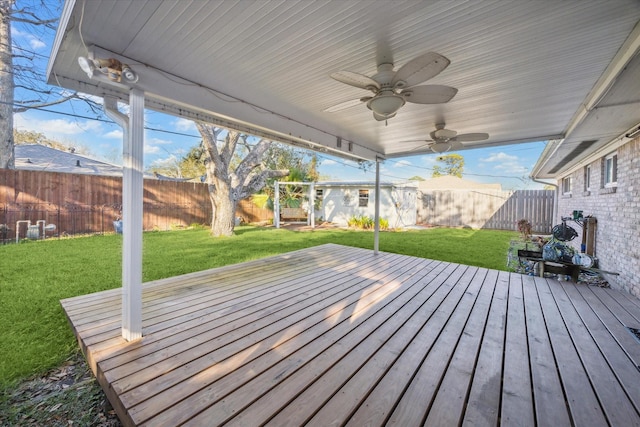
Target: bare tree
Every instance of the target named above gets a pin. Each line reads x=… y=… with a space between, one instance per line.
x=22 y=69
x=230 y=177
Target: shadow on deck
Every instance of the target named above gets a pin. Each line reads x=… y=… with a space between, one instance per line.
x=334 y=335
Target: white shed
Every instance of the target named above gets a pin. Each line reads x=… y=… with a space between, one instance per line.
x=336 y=202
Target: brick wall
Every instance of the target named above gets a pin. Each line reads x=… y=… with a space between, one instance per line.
x=617 y=211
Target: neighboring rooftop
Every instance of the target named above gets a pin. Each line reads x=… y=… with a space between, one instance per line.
x=38 y=157
x=450 y=182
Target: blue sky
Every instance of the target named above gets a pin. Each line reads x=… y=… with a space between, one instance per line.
x=169 y=138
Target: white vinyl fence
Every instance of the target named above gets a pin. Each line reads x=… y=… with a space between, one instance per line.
x=492 y=209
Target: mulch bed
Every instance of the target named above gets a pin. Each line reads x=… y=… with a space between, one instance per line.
x=66 y=396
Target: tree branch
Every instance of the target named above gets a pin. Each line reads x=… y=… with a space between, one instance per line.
x=210 y=142
x=258 y=181
x=46 y=104
x=230 y=146
x=252 y=160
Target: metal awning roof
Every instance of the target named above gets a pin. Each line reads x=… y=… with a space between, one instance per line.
x=525 y=71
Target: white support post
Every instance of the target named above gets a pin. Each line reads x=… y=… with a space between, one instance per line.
x=132 y=195
x=312 y=205
x=376 y=220
x=276 y=205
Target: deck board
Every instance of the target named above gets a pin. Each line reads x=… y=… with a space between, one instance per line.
x=333 y=335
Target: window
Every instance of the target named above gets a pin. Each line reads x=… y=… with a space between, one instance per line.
x=363 y=198
x=566 y=185
x=610 y=172
x=587 y=178
x=319 y=194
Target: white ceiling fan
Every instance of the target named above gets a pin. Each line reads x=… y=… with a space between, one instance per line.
x=392 y=89
x=443 y=140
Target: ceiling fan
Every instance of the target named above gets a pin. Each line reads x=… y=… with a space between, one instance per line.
x=443 y=140
x=392 y=89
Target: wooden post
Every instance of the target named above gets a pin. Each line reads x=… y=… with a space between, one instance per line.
x=590 y=225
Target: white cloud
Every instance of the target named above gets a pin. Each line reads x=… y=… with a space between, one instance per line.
x=429 y=160
x=328 y=162
x=151 y=149
x=184 y=125
x=169 y=161
x=401 y=163
x=158 y=141
x=154 y=145
x=499 y=157
x=56 y=126
x=36 y=44
x=505 y=163
x=114 y=134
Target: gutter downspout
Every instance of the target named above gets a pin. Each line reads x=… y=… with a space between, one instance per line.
x=132 y=200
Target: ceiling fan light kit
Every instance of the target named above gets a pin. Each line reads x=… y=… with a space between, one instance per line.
x=392 y=89
x=386 y=105
x=440 y=147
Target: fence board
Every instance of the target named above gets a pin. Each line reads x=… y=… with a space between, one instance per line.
x=81 y=204
x=490 y=209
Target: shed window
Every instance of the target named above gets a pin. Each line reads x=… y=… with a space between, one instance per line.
x=319 y=194
x=363 y=198
x=610 y=170
x=566 y=185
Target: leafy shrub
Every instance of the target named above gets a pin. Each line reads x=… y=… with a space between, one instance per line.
x=366 y=223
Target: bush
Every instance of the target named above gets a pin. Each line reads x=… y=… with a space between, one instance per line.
x=366 y=223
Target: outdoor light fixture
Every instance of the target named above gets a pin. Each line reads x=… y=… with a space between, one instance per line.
x=440 y=147
x=113 y=69
x=386 y=104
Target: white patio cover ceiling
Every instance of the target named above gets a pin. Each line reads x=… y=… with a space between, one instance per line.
x=525 y=71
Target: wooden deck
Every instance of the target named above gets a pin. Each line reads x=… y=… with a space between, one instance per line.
x=334 y=335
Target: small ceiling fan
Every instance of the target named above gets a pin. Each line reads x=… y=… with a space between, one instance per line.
x=392 y=89
x=443 y=140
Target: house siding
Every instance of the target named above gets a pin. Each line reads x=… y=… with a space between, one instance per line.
x=617 y=212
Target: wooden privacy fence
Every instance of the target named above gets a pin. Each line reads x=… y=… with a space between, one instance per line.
x=491 y=209
x=84 y=204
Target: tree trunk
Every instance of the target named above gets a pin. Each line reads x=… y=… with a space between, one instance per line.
x=224 y=212
x=7 y=160
x=227 y=186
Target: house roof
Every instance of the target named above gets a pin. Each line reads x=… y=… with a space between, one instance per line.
x=362 y=184
x=450 y=182
x=41 y=158
x=525 y=71
x=38 y=157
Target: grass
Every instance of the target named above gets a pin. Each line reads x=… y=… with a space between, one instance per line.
x=34 y=276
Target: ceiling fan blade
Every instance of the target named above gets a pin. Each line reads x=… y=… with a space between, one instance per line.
x=455 y=144
x=356 y=79
x=420 y=69
x=472 y=137
x=416 y=140
x=429 y=94
x=381 y=118
x=343 y=106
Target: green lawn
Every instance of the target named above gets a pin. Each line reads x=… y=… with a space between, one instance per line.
x=34 y=276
